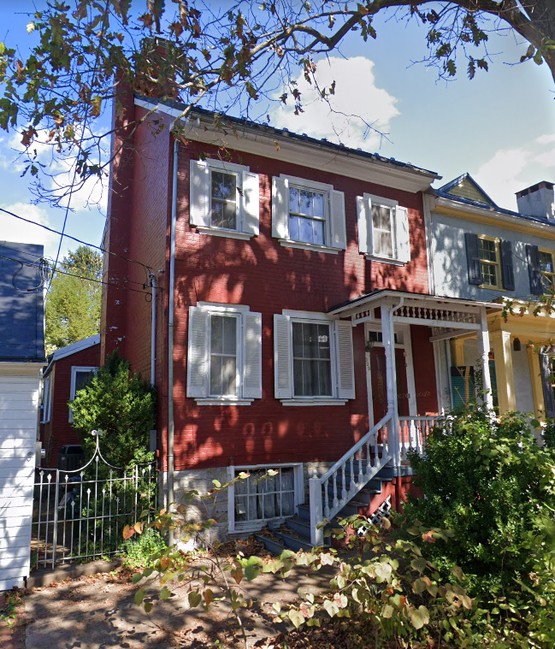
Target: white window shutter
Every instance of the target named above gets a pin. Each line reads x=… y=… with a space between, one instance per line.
x=370 y=224
x=199 y=197
x=402 y=233
x=250 y=204
x=197 y=353
x=345 y=360
x=337 y=219
x=283 y=370
x=252 y=350
x=280 y=208
x=363 y=225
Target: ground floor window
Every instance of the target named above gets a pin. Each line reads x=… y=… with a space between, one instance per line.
x=267 y=494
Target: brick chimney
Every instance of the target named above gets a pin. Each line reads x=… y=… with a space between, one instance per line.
x=537 y=200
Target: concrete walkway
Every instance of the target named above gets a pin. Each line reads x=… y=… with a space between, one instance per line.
x=98 y=611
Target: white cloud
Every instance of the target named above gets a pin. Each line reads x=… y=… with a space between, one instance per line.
x=357 y=103
x=512 y=169
x=19 y=231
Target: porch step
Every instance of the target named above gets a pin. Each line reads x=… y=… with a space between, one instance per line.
x=294 y=533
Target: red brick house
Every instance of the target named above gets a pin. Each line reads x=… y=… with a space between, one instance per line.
x=284 y=313
x=68 y=370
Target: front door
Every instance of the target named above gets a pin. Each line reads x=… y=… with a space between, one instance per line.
x=376 y=375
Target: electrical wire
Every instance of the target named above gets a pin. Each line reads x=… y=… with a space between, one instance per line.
x=68 y=236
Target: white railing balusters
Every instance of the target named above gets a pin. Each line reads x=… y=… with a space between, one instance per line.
x=376 y=444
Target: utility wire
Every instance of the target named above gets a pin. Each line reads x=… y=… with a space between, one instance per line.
x=39 y=265
x=68 y=236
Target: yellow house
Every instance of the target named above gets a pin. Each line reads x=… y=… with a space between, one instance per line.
x=505 y=259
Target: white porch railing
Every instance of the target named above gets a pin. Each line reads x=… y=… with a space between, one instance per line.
x=413 y=432
x=330 y=492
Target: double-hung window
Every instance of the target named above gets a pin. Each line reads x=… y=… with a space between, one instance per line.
x=80 y=378
x=383 y=229
x=224 y=360
x=547 y=269
x=308 y=214
x=313 y=359
x=224 y=199
x=490 y=261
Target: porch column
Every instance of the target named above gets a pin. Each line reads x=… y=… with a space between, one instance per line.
x=503 y=354
x=483 y=348
x=388 y=339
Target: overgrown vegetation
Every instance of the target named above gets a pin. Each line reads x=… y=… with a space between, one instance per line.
x=121 y=405
x=471 y=564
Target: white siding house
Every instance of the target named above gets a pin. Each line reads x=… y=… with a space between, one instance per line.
x=21 y=359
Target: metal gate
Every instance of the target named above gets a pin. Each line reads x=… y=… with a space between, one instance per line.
x=79 y=515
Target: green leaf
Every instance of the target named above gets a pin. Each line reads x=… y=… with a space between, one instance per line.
x=419 y=617
x=195 y=598
x=139 y=596
x=296 y=618
x=165 y=593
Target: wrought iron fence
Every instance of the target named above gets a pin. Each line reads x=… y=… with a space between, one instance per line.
x=79 y=515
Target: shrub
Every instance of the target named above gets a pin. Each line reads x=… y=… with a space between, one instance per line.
x=144 y=550
x=121 y=405
x=491 y=485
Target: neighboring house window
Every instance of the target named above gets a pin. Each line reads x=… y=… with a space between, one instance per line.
x=46 y=400
x=267 y=494
x=224 y=360
x=383 y=229
x=490 y=262
x=308 y=214
x=80 y=378
x=540 y=269
x=224 y=199
x=313 y=359
x=547 y=269
x=547 y=367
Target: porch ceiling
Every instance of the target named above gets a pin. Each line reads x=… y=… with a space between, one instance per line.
x=446 y=313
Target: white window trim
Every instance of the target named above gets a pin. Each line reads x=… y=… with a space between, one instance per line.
x=46 y=400
x=74 y=370
x=245 y=230
x=365 y=225
x=253 y=526
x=310 y=317
x=313 y=185
x=241 y=311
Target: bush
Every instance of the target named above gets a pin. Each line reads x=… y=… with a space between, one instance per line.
x=492 y=487
x=121 y=405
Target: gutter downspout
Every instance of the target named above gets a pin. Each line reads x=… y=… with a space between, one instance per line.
x=171 y=314
x=153 y=286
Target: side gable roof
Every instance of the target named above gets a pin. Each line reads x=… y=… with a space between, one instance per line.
x=21 y=302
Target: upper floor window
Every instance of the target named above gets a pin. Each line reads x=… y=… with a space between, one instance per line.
x=313 y=359
x=224 y=199
x=308 y=214
x=383 y=229
x=490 y=262
x=541 y=269
x=547 y=269
x=224 y=354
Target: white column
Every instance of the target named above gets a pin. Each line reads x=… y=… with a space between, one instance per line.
x=388 y=339
x=483 y=348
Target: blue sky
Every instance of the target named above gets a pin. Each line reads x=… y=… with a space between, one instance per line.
x=499 y=127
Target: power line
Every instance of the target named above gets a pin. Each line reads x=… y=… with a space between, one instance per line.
x=85 y=243
x=39 y=265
